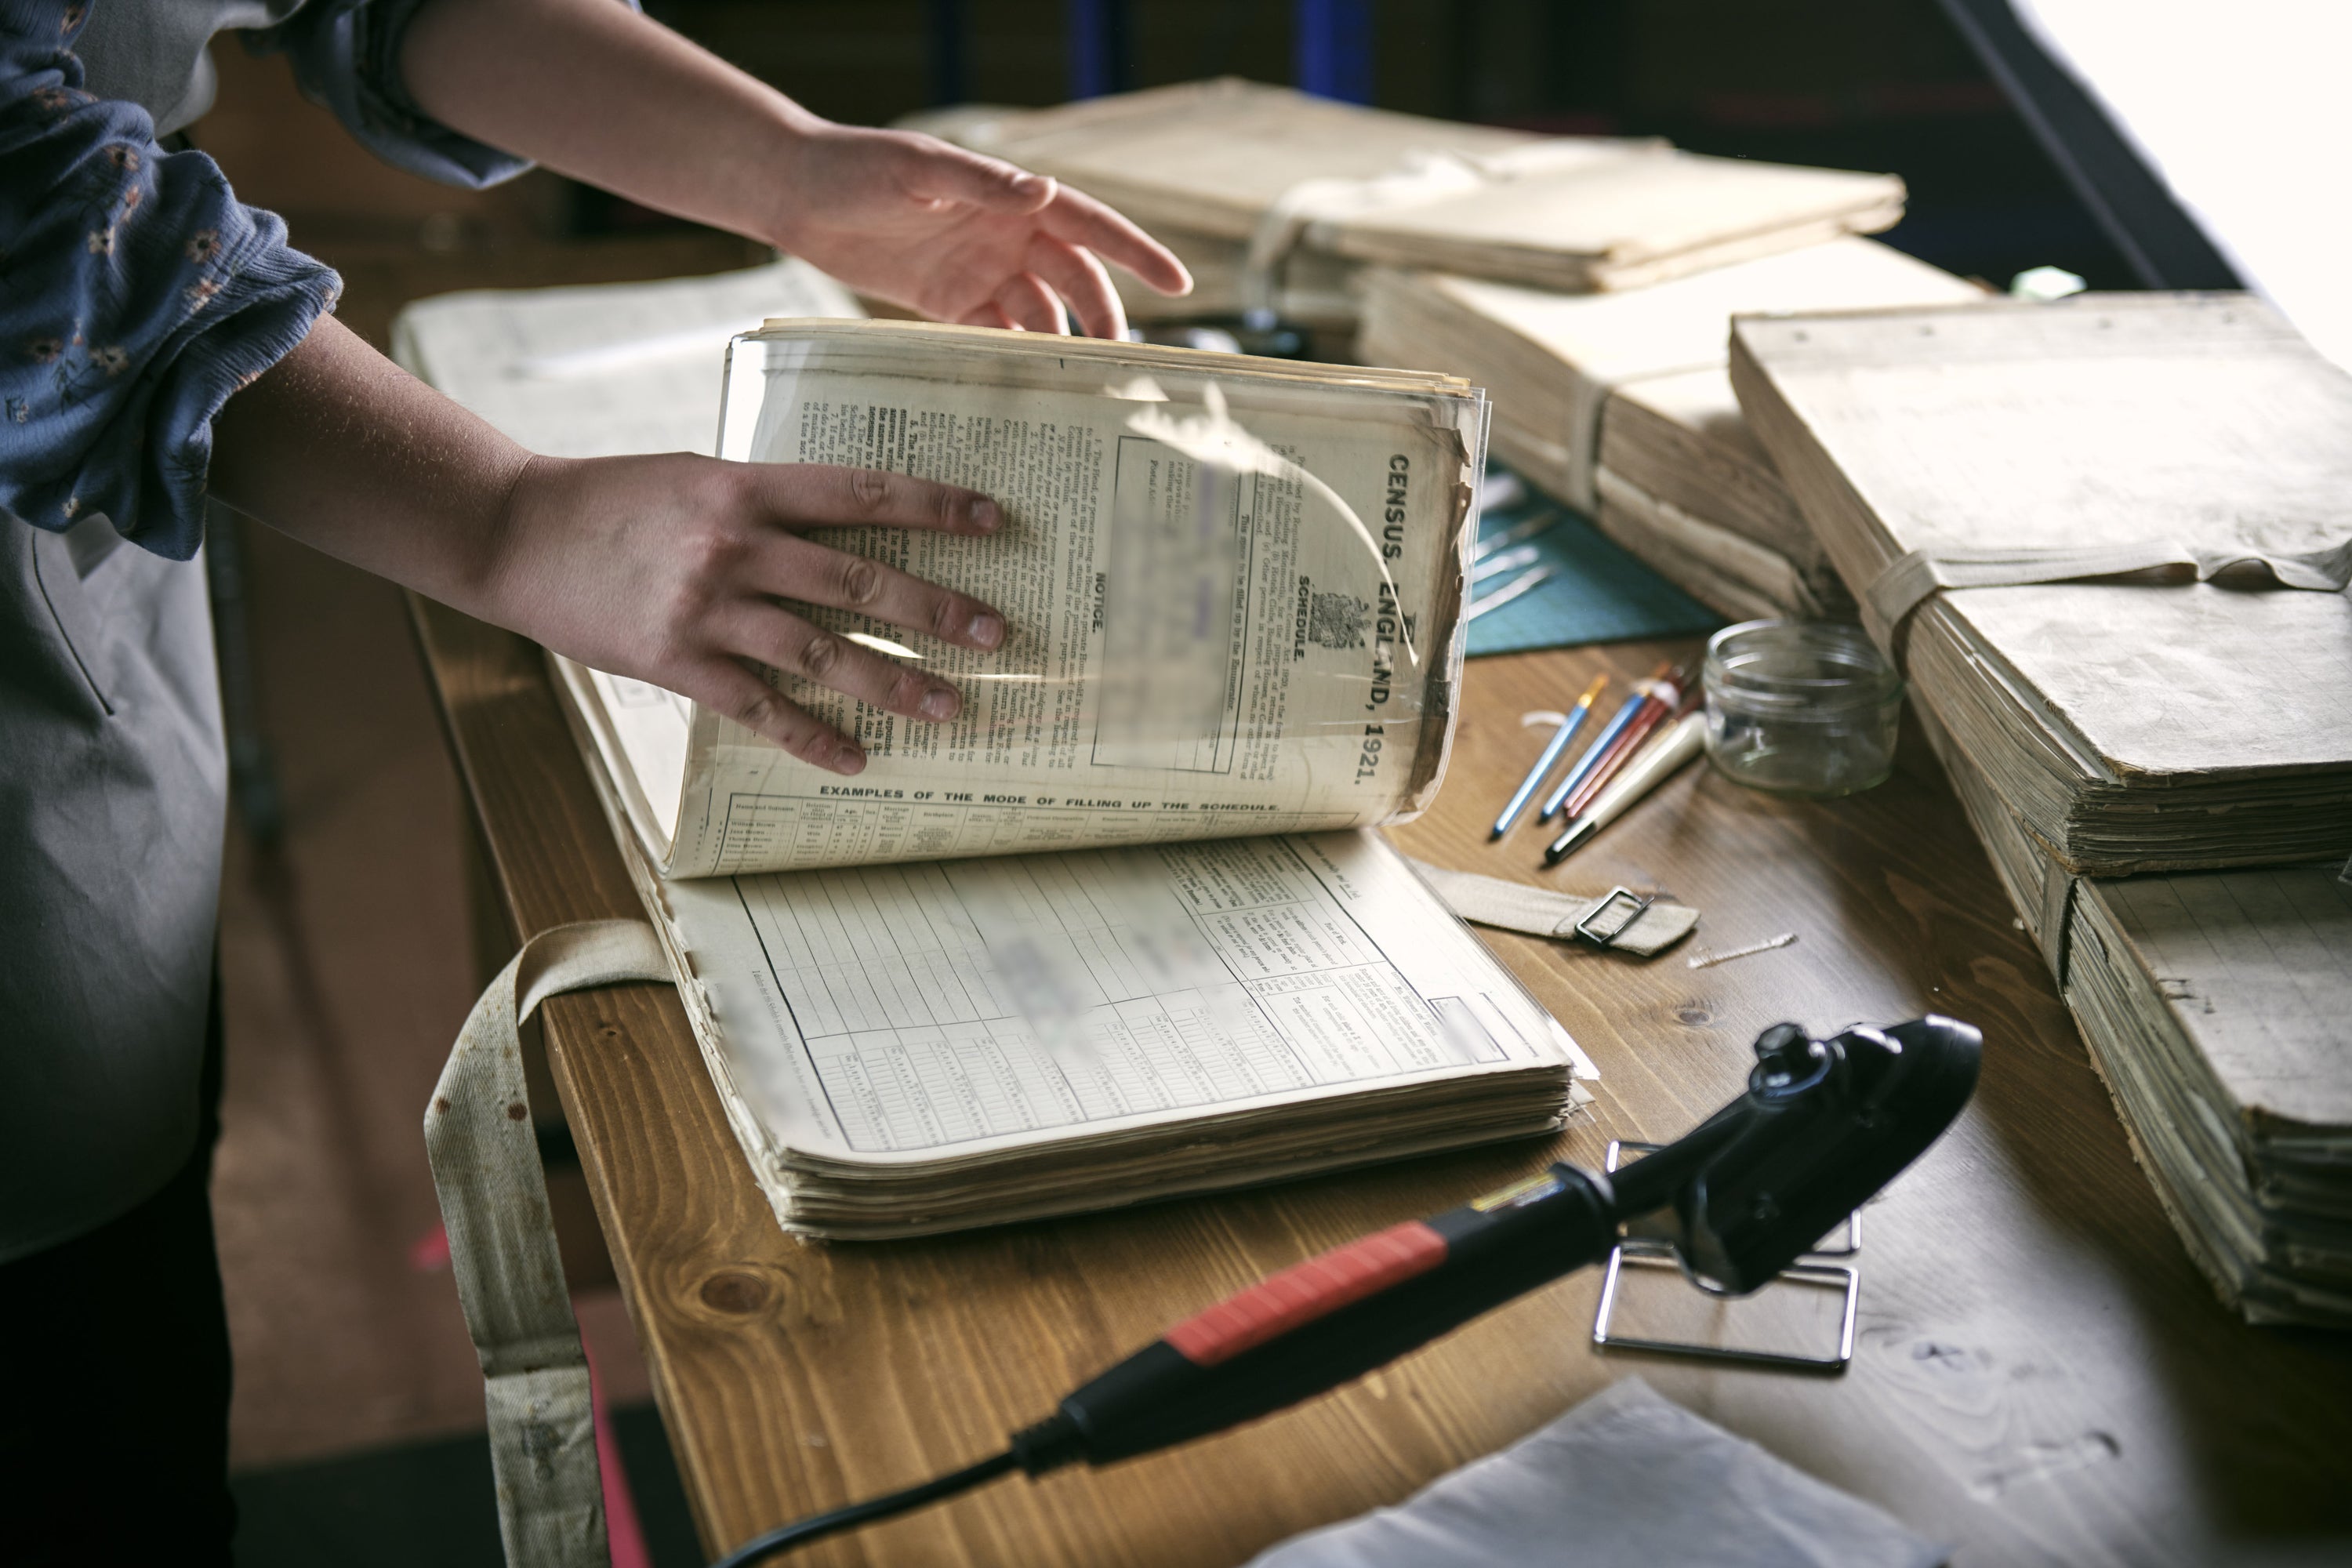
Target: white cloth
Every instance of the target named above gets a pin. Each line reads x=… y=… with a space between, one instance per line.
x=1625 y=1479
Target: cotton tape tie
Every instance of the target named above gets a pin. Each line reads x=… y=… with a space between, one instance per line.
x=1420 y=178
x=1424 y=177
x=1540 y=911
x=1909 y=580
x=486 y=1170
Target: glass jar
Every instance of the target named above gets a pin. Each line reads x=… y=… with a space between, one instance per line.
x=1801 y=708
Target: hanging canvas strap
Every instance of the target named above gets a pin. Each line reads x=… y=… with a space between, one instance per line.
x=493 y=1193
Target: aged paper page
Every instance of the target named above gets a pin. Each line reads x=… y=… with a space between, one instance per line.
x=894 y=1013
x=1226 y=618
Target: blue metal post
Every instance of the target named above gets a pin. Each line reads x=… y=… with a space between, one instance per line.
x=1099 y=53
x=950 y=82
x=1333 y=48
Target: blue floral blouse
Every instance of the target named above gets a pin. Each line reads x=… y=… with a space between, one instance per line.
x=137 y=294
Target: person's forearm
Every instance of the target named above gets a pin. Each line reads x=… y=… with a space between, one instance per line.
x=346 y=451
x=680 y=570
x=593 y=90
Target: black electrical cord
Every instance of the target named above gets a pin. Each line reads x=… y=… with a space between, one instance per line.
x=818 y=1525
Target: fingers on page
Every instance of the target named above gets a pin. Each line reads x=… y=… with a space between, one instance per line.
x=824 y=495
x=733 y=690
x=782 y=640
x=816 y=574
x=1079 y=279
x=1033 y=306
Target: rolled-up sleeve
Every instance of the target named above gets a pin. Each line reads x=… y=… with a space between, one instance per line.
x=137 y=294
x=346 y=54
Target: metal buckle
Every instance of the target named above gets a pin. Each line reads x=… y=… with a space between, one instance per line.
x=1608 y=938
x=1811 y=1270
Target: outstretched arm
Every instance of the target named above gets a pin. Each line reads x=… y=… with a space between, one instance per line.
x=163 y=339
x=665 y=568
x=593 y=90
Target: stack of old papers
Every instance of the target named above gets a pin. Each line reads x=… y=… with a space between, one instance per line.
x=1117 y=932
x=1273 y=196
x=1621 y=405
x=2109 y=538
x=2027 y=501
x=905 y=1050
x=2213 y=1003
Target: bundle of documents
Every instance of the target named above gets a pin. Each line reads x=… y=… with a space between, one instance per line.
x=2024 y=498
x=1621 y=406
x=1270 y=188
x=2107 y=540
x=2214 y=1004
x=1117 y=932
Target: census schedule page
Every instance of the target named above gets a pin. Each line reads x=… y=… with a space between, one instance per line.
x=922 y=1010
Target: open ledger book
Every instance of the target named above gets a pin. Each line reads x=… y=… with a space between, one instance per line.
x=1118 y=932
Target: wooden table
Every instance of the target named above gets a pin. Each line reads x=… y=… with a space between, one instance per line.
x=2040 y=1374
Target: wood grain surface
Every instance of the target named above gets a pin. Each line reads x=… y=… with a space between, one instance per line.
x=2041 y=1375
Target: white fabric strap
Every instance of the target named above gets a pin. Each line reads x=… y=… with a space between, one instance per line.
x=1422 y=177
x=1539 y=911
x=1909 y=580
x=493 y=1192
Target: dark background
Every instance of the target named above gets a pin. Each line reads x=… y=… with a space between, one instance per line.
x=1882 y=85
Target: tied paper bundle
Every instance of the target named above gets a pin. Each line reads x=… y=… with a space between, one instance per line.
x=2213 y=1003
x=2107 y=540
x=1093 y=941
x=1621 y=405
x=2151 y=721
x=1275 y=196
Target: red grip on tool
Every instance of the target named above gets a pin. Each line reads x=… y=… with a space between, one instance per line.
x=1305 y=1291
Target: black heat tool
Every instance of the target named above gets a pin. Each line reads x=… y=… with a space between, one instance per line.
x=1823 y=1125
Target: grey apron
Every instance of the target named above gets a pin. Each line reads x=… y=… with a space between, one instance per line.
x=113 y=794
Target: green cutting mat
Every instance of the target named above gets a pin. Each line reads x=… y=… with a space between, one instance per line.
x=1601 y=593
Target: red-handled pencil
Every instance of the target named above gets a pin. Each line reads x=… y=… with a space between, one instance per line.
x=1625 y=715
x=1664 y=696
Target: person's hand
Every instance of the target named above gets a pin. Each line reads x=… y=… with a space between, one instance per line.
x=671 y=570
x=960 y=238
x=608 y=95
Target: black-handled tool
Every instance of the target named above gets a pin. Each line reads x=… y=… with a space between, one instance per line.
x=1823 y=1125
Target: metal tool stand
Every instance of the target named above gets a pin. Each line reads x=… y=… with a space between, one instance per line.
x=1817 y=1268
